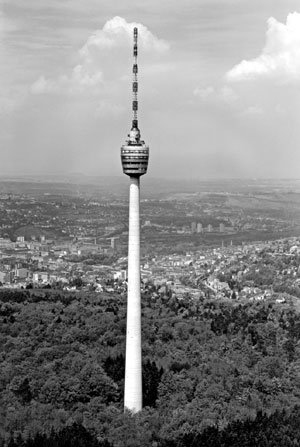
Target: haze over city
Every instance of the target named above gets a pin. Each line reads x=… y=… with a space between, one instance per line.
x=219 y=86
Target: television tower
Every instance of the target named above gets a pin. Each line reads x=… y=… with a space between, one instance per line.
x=134 y=157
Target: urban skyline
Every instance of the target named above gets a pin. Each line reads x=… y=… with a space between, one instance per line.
x=226 y=65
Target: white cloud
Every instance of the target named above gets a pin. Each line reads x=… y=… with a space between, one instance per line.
x=41 y=85
x=280 y=58
x=102 y=52
x=118 y=33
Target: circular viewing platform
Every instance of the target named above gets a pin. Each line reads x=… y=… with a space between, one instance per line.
x=135 y=158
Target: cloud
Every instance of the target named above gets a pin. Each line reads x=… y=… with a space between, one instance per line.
x=204 y=92
x=118 y=33
x=100 y=58
x=224 y=94
x=80 y=80
x=280 y=58
x=253 y=110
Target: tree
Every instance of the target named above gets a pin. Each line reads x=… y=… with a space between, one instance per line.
x=151 y=379
x=77 y=282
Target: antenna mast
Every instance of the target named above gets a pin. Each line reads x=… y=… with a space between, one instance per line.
x=135 y=81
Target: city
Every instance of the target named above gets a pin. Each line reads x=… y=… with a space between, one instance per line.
x=72 y=239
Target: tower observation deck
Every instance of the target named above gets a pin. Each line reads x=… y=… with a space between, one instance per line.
x=135 y=153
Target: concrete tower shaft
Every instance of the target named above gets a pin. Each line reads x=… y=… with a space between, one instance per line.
x=133 y=362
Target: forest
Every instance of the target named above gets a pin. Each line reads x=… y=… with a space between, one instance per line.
x=215 y=372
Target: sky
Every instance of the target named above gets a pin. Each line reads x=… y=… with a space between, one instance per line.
x=219 y=86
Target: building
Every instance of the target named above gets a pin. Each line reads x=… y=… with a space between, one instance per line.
x=21 y=273
x=6 y=243
x=40 y=277
x=134 y=158
x=120 y=275
x=5 y=276
x=199 y=227
x=114 y=243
